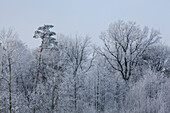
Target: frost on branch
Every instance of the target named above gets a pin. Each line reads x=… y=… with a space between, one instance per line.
x=45 y=34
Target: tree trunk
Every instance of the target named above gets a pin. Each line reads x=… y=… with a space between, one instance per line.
x=10 y=91
x=75 y=96
x=38 y=70
x=75 y=90
x=97 y=94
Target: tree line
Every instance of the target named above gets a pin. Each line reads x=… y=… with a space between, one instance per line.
x=128 y=74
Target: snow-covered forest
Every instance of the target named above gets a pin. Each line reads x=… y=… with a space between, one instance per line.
x=128 y=73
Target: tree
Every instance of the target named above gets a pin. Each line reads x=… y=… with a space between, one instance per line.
x=12 y=50
x=124 y=44
x=157 y=57
x=80 y=60
x=48 y=41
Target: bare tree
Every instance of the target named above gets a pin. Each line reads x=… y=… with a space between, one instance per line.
x=124 y=44
x=11 y=50
x=80 y=61
x=157 y=57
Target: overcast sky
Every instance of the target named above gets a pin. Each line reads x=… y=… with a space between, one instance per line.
x=83 y=17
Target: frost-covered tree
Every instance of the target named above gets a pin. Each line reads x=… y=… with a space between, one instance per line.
x=12 y=54
x=124 y=44
x=80 y=59
x=157 y=57
x=48 y=41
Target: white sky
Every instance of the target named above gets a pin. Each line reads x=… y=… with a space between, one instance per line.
x=85 y=17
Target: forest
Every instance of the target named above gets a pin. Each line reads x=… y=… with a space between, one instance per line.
x=128 y=73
